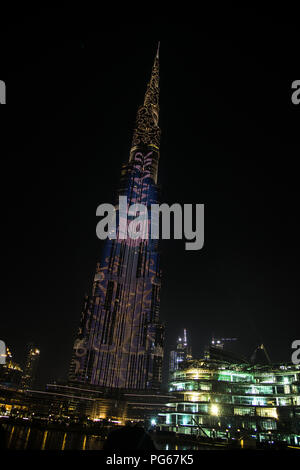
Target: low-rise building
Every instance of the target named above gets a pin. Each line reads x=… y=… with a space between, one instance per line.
x=223 y=399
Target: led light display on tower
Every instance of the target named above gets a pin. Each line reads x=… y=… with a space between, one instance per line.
x=120 y=338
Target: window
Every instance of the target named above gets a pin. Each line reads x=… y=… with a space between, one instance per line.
x=266 y=424
x=267 y=412
x=242 y=411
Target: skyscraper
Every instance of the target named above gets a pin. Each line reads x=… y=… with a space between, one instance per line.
x=181 y=353
x=10 y=371
x=120 y=338
x=30 y=369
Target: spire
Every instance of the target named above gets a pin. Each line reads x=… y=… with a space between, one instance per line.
x=184 y=337
x=157 y=52
x=147 y=131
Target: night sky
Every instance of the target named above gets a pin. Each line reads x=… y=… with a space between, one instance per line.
x=230 y=140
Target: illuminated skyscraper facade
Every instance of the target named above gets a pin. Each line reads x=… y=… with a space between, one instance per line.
x=31 y=365
x=182 y=353
x=10 y=371
x=120 y=338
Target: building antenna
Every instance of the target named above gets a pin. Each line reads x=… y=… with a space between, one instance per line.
x=157 y=52
x=184 y=337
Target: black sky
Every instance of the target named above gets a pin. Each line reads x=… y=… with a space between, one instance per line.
x=230 y=140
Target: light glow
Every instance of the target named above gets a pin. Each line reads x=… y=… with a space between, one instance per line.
x=214 y=410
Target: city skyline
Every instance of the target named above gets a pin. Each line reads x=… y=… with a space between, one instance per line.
x=217 y=150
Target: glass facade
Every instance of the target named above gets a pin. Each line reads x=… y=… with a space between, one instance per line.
x=216 y=399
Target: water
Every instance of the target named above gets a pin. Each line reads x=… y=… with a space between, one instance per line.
x=31 y=438
x=22 y=437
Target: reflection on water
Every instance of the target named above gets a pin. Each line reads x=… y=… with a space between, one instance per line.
x=11 y=436
x=34 y=438
x=44 y=440
x=64 y=442
x=27 y=437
